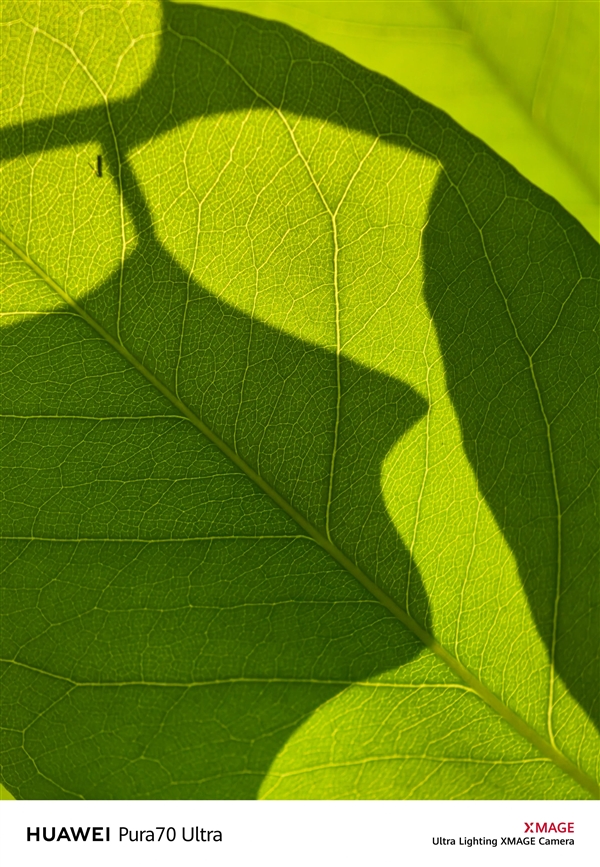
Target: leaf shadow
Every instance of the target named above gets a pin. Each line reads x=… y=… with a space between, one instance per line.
x=203 y=51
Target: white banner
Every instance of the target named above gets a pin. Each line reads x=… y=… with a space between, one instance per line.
x=297 y=833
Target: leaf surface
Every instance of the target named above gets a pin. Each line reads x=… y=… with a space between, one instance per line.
x=299 y=430
x=520 y=74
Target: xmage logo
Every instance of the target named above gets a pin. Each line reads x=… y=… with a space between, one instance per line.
x=549 y=827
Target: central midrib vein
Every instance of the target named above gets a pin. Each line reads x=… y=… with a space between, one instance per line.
x=490 y=698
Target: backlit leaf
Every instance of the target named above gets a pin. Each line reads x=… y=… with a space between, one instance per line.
x=299 y=429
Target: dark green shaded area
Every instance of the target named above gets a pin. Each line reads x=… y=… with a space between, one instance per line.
x=189 y=664
x=521 y=356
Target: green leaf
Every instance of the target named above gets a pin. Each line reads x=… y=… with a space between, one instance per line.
x=520 y=74
x=299 y=440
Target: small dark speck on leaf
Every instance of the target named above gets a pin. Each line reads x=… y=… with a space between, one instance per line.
x=98 y=170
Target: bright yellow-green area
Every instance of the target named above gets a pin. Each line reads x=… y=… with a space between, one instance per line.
x=67 y=220
x=67 y=63
x=391 y=739
x=302 y=244
x=77 y=58
x=21 y=298
x=521 y=75
x=546 y=54
x=5 y=795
